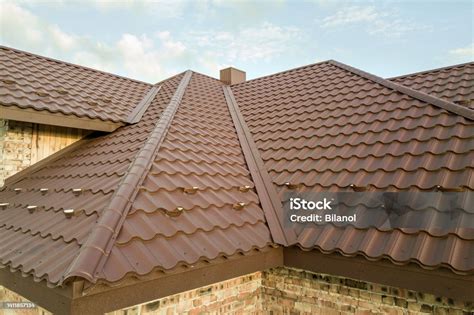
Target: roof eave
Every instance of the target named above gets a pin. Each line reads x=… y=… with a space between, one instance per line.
x=56 y=119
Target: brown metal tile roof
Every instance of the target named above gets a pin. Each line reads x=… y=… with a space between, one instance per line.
x=454 y=83
x=175 y=188
x=109 y=236
x=44 y=84
x=328 y=126
x=45 y=243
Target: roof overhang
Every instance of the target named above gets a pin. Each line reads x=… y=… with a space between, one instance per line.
x=440 y=281
x=56 y=119
x=80 y=297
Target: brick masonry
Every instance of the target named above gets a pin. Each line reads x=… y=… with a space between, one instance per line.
x=292 y=291
x=288 y=291
x=15 y=147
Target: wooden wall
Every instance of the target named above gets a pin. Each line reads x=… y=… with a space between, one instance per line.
x=23 y=144
x=47 y=140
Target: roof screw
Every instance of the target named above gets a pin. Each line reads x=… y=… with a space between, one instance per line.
x=244 y=188
x=31 y=209
x=17 y=190
x=239 y=205
x=77 y=191
x=439 y=188
x=176 y=212
x=68 y=212
x=63 y=92
x=291 y=186
x=4 y=205
x=191 y=190
x=44 y=190
x=42 y=94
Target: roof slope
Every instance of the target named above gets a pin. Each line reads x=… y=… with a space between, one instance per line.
x=96 y=167
x=325 y=127
x=44 y=84
x=195 y=202
x=454 y=83
x=175 y=189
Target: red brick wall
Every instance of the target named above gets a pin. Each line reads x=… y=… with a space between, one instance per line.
x=289 y=291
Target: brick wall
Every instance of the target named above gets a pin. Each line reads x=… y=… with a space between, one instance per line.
x=289 y=291
x=15 y=147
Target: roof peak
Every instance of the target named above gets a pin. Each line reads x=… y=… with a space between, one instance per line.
x=286 y=71
x=433 y=100
x=72 y=64
x=431 y=70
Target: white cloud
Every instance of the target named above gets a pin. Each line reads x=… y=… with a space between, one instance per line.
x=253 y=44
x=374 y=21
x=464 y=52
x=152 y=56
x=141 y=56
x=349 y=15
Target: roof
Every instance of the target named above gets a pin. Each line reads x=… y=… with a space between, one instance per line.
x=453 y=83
x=43 y=85
x=203 y=176
x=191 y=153
x=327 y=127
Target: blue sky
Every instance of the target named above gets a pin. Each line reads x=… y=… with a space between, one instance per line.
x=152 y=40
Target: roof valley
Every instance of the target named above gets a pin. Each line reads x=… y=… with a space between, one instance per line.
x=92 y=257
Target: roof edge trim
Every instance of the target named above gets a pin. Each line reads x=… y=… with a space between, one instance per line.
x=97 y=248
x=448 y=106
x=267 y=194
x=46 y=117
x=141 y=108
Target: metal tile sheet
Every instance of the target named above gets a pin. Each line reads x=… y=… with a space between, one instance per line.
x=453 y=83
x=324 y=128
x=44 y=242
x=197 y=154
x=69 y=89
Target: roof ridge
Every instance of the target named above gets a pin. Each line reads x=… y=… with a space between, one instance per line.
x=271 y=203
x=431 y=70
x=72 y=64
x=426 y=98
x=283 y=72
x=93 y=254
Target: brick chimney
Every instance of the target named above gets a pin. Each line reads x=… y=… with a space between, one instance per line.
x=232 y=76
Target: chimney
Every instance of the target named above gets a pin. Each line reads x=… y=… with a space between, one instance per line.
x=231 y=76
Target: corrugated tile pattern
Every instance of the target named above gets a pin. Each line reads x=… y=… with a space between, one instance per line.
x=44 y=242
x=31 y=81
x=455 y=84
x=200 y=168
x=323 y=128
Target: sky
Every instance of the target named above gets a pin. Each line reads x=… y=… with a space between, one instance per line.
x=152 y=40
